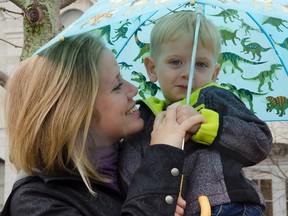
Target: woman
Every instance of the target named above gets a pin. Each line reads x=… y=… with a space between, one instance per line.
x=65 y=108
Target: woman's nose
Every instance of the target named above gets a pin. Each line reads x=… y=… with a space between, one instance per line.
x=131 y=90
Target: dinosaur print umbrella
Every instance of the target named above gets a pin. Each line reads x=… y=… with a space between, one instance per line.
x=254 y=55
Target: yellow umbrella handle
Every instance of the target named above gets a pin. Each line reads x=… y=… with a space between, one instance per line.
x=205 y=208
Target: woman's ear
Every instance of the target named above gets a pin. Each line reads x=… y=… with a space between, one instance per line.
x=150 y=68
x=216 y=72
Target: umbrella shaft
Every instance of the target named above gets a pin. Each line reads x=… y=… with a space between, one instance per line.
x=193 y=59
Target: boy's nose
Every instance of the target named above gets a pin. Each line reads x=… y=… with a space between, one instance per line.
x=185 y=73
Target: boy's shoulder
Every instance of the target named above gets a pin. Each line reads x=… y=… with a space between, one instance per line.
x=213 y=88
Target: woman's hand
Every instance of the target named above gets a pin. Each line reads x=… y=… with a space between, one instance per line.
x=168 y=131
x=184 y=112
x=181 y=206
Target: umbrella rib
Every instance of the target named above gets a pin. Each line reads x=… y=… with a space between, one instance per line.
x=270 y=41
x=134 y=33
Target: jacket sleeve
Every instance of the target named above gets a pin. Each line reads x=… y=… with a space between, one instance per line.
x=155 y=186
x=209 y=129
x=241 y=134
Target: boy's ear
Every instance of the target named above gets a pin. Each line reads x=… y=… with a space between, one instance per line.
x=150 y=68
x=216 y=72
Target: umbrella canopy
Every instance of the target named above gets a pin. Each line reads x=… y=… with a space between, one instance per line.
x=254 y=54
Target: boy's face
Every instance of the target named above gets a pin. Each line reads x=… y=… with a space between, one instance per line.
x=172 y=68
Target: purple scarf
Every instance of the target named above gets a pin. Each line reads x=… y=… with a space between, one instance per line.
x=107 y=163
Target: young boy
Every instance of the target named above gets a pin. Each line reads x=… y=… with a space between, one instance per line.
x=232 y=136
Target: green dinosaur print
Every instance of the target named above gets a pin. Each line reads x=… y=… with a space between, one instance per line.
x=266 y=76
x=284 y=44
x=280 y=104
x=254 y=48
x=231 y=59
x=105 y=31
x=114 y=51
x=144 y=47
x=121 y=31
x=145 y=87
x=247 y=28
x=276 y=22
x=228 y=35
x=229 y=13
x=243 y=94
x=124 y=65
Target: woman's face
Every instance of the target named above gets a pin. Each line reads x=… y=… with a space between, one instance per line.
x=118 y=116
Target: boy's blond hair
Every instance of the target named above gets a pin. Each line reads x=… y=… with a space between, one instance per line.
x=182 y=24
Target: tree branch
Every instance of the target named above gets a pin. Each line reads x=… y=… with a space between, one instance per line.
x=16 y=46
x=65 y=3
x=3 y=78
x=9 y=11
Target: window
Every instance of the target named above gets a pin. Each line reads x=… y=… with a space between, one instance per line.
x=266 y=189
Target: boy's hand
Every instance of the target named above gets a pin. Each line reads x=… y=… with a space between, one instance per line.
x=181 y=206
x=184 y=112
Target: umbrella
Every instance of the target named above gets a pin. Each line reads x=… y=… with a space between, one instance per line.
x=254 y=54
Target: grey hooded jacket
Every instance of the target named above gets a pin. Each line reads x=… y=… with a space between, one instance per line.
x=232 y=138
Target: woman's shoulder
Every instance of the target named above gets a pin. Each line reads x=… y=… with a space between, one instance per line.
x=56 y=196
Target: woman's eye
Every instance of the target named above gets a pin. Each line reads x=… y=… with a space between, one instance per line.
x=118 y=87
x=201 y=64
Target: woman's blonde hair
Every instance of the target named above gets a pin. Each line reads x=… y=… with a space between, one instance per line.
x=182 y=24
x=49 y=104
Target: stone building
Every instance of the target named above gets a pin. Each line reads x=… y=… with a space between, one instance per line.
x=271 y=175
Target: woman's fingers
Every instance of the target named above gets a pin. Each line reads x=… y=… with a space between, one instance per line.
x=181 y=206
x=172 y=110
x=166 y=130
x=158 y=119
x=191 y=121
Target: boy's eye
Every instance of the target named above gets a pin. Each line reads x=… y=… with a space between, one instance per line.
x=201 y=64
x=175 y=62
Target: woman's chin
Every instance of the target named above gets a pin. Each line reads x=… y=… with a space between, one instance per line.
x=135 y=126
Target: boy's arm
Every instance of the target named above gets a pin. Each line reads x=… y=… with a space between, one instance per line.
x=208 y=131
x=231 y=127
